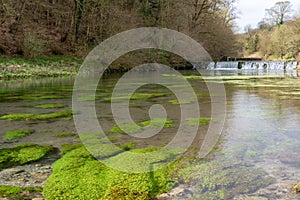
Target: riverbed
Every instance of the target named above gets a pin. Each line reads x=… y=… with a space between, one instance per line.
x=256 y=157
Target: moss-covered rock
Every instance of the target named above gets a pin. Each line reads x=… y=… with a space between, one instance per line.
x=22 y=154
x=79 y=176
x=16 y=134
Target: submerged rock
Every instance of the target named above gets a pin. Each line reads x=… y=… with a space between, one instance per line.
x=296 y=188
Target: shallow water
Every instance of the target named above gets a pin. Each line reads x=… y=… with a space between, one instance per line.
x=261 y=134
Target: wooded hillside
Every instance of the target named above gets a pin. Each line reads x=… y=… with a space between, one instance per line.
x=58 y=27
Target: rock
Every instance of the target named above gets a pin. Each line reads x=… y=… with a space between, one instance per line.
x=181 y=191
x=296 y=188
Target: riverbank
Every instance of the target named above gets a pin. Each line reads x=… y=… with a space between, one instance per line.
x=19 y=67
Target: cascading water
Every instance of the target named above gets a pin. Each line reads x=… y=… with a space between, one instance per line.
x=253 y=67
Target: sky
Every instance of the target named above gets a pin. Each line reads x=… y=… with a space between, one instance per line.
x=253 y=11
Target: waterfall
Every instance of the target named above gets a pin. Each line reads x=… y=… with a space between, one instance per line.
x=253 y=65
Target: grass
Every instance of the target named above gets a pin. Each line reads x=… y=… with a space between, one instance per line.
x=79 y=176
x=17 y=67
x=21 y=117
x=198 y=121
x=132 y=127
x=66 y=134
x=22 y=154
x=50 y=106
x=16 y=134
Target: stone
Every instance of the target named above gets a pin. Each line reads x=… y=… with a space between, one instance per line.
x=296 y=188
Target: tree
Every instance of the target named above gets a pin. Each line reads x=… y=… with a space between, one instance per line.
x=279 y=13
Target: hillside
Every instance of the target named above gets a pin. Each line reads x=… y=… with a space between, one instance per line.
x=281 y=42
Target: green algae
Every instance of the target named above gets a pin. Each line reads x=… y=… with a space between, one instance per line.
x=50 y=106
x=177 y=102
x=157 y=123
x=198 y=121
x=22 y=154
x=17 y=193
x=16 y=134
x=79 y=176
x=7 y=191
x=65 y=148
x=135 y=96
x=132 y=127
x=94 y=97
x=24 y=116
x=65 y=134
x=129 y=145
x=224 y=180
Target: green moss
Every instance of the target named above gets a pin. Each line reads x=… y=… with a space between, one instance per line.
x=17 y=193
x=91 y=97
x=129 y=145
x=79 y=176
x=65 y=148
x=126 y=127
x=131 y=128
x=157 y=123
x=177 y=102
x=20 y=117
x=135 y=96
x=7 y=191
x=198 y=121
x=49 y=106
x=66 y=134
x=22 y=154
x=16 y=134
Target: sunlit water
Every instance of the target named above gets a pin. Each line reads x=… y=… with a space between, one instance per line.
x=261 y=131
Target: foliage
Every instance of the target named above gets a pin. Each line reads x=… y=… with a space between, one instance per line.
x=274 y=43
x=16 y=134
x=62 y=27
x=22 y=154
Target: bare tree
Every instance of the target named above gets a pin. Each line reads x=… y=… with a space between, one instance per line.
x=279 y=13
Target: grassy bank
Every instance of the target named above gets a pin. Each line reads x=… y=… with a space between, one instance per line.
x=19 y=67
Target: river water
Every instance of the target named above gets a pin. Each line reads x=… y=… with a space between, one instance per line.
x=257 y=156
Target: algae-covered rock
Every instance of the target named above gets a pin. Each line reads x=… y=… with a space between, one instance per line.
x=22 y=154
x=224 y=180
x=79 y=176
